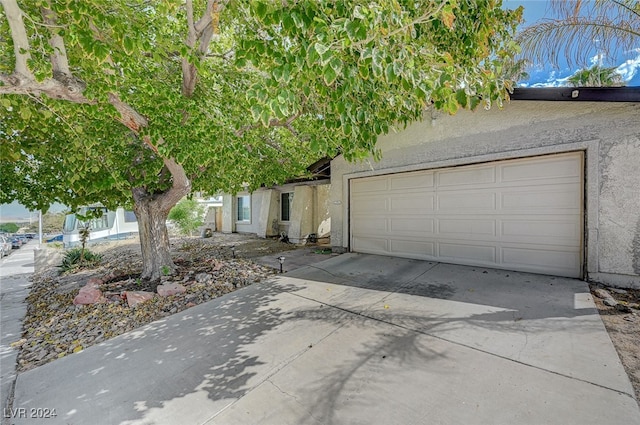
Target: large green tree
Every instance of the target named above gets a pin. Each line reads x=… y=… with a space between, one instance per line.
x=138 y=102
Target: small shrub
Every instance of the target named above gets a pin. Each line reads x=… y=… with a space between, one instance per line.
x=78 y=257
x=187 y=215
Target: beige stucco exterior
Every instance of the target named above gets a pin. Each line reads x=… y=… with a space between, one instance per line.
x=309 y=209
x=607 y=133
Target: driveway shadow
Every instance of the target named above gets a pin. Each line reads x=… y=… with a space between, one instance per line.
x=311 y=339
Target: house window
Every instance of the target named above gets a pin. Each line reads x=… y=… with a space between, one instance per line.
x=286 y=201
x=244 y=208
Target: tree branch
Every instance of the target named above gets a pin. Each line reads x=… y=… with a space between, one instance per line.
x=21 y=46
x=201 y=32
x=134 y=121
x=424 y=18
x=62 y=86
x=51 y=87
x=59 y=61
x=129 y=117
x=180 y=187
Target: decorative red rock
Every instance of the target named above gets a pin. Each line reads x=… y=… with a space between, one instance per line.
x=136 y=297
x=88 y=295
x=169 y=289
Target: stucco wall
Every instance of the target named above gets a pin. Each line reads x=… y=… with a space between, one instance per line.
x=309 y=209
x=609 y=134
x=322 y=214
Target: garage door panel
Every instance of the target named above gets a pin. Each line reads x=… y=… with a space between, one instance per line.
x=544 y=260
x=523 y=214
x=368 y=205
x=372 y=225
x=476 y=175
x=550 y=200
x=417 y=225
x=459 y=251
x=414 y=249
x=543 y=169
x=420 y=180
x=459 y=202
x=467 y=227
x=375 y=184
x=371 y=245
x=420 y=203
x=551 y=231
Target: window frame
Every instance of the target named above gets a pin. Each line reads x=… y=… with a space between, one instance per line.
x=289 y=197
x=242 y=219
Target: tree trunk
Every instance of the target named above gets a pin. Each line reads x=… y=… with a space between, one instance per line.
x=152 y=210
x=154 y=238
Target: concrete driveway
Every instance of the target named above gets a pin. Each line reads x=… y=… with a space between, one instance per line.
x=355 y=339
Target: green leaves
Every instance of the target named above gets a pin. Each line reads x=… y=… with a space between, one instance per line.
x=282 y=84
x=321 y=48
x=329 y=75
x=25 y=114
x=128 y=44
x=359 y=67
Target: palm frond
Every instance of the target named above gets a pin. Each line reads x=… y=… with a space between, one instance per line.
x=609 y=27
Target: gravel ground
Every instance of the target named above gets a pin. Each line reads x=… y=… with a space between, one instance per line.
x=54 y=327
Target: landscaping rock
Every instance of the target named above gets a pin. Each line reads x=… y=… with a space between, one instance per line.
x=169 y=289
x=602 y=293
x=204 y=277
x=623 y=308
x=136 y=297
x=55 y=327
x=89 y=294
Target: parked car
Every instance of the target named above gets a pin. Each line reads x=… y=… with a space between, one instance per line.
x=5 y=246
x=15 y=243
x=23 y=239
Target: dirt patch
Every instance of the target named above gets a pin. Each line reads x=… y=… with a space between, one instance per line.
x=623 y=325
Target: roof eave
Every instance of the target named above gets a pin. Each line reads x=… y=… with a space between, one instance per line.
x=577 y=94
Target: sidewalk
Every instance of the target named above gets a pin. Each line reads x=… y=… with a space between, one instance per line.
x=15 y=271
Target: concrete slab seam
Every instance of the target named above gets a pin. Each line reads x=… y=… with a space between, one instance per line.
x=295 y=399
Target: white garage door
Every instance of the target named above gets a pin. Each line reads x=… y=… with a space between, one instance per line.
x=523 y=214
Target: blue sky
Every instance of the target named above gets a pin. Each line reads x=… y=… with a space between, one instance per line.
x=627 y=63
